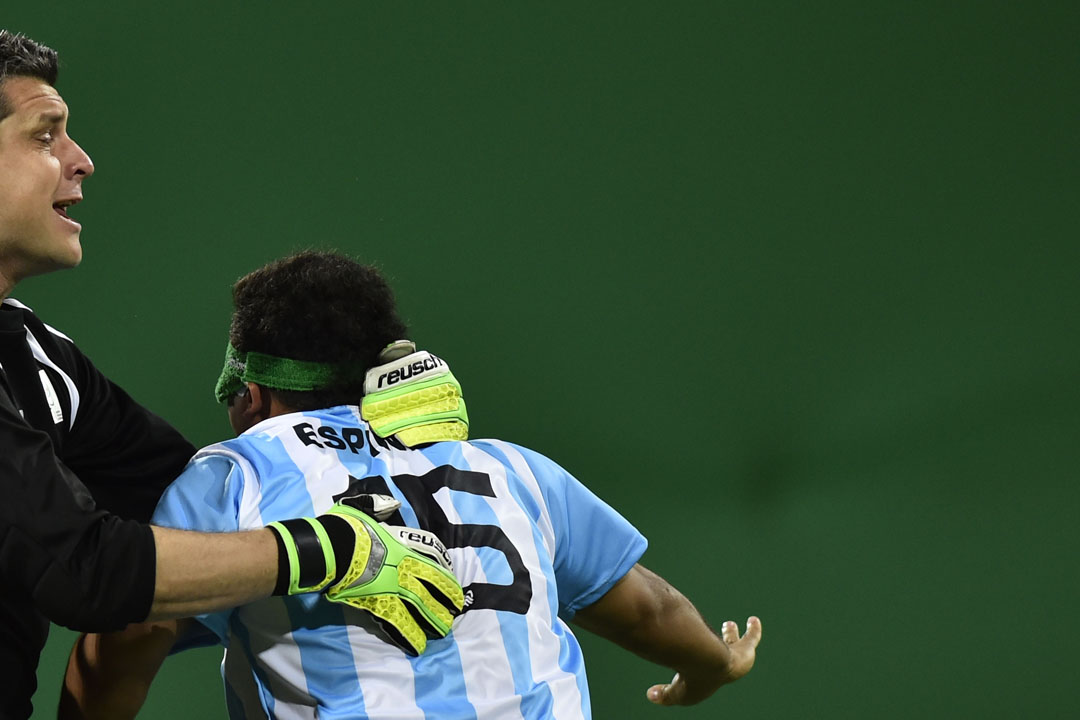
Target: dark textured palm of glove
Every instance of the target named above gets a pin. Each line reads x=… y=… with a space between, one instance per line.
x=412 y=595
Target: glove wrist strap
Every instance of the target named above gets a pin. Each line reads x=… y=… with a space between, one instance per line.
x=308 y=560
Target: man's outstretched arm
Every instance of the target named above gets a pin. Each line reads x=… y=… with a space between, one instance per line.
x=205 y=572
x=89 y=570
x=109 y=674
x=646 y=615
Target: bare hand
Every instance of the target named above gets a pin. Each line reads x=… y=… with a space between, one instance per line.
x=681 y=691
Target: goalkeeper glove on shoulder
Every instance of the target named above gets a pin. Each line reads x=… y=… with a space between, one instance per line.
x=414 y=397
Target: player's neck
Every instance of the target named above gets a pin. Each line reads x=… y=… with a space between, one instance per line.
x=277 y=407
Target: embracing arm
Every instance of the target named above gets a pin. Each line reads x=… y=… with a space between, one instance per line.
x=649 y=617
x=205 y=572
x=92 y=571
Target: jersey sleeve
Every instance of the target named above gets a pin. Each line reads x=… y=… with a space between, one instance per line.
x=206 y=497
x=595 y=546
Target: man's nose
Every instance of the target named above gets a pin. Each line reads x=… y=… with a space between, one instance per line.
x=77 y=162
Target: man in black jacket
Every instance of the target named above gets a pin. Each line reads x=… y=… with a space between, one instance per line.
x=81 y=464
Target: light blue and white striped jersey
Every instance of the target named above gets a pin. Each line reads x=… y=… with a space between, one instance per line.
x=530 y=544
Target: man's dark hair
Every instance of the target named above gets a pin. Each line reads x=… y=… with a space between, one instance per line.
x=22 y=57
x=317 y=306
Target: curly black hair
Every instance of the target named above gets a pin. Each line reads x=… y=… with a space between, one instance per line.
x=22 y=57
x=317 y=306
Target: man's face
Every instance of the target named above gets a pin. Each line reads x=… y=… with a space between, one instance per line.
x=41 y=174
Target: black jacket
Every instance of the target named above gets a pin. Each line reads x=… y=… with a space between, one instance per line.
x=82 y=466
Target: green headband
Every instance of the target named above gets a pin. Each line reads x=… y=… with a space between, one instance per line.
x=273 y=372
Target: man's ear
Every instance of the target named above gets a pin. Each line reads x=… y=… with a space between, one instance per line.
x=258 y=408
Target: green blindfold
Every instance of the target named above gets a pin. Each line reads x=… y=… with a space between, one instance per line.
x=274 y=372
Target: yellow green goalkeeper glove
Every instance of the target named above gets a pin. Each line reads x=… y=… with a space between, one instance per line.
x=414 y=397
x=402 y=576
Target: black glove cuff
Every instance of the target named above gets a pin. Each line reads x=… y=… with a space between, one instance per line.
x=310 y=561
x=281 y=586
x=309 y=553
x=342 y=540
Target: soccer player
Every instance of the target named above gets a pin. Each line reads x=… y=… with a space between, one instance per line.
x=81 y=464
x=531 y=545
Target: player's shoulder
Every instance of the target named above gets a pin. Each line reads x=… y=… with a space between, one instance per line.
x=263 y=449
x=224 y=450
x=502 y=450
x=208 y=494
x=228 y=456
x=521 y=460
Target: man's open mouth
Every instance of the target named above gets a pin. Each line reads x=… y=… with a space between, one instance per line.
x=61 y=207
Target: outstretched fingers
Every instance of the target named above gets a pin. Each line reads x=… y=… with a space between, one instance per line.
x=688 y=690
x=743 y=649
x=730 y=632
x=753 y=631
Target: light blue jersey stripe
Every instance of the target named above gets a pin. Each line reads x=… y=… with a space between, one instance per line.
x=322 y=636
x=570 y=657
x=288 y=497
x=440 y=682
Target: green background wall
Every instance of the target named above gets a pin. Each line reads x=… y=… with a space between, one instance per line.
x=792 y=285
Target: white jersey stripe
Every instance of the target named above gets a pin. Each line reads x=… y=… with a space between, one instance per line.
x=489 y=682
x=296 y=654
x=57 y=333
x=321 y=473
x=525 y=473
x=391 y=677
